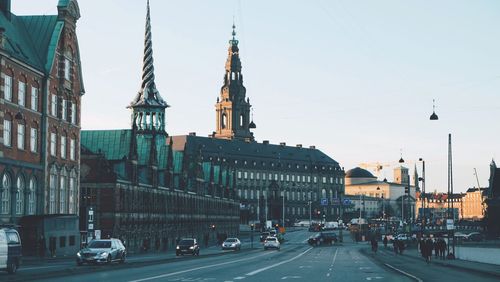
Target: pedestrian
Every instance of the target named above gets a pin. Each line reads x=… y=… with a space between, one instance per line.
x=374 y=244
x=436 y=249
x=401 y=246
x=395 y=245
x=385 y=242
x=422 y=248
x=429 y=246
x=442 y=248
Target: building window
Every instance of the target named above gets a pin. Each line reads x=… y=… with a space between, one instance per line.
x=246 y=193
x=7 y=133
x=276 y=177
x=34 y=140
x=72 y=240
x=63 y=147
x=64 y=110
x=281 y=177
x=245 y=175
x=239 y=174
x=7 y=89
x=263 y=176
x=315 y=179
x=62 y=194
x=31 y=197
x=62 y=241
x=19 y=195
x=52 y=193
x=20 y=136
x=6 y=182
x=293 y=178
x=303 y=178
x=72 y=191
x=67 y=69
x=53 y=105
x=324 y=179
x=21 y=93
x=257 y=176
x=251 y=175
x=251 y=194
x=72 y=149
x=34 y=98
x=309 y=179
x=53 y=143
x=73 y=113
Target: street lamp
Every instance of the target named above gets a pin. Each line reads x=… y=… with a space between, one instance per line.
x=433 y=116
x=383 y=209
x=422 y=196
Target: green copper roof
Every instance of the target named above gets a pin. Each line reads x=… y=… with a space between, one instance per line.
x=115 y=144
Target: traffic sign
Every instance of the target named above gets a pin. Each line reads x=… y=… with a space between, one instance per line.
x=324 y=202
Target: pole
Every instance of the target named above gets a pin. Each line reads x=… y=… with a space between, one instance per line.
x=310 y=216
x=283 y=208
x=422 y=197
x=265 y=198
x=451 y=189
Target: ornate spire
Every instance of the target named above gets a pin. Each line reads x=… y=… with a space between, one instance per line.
x=148 y=95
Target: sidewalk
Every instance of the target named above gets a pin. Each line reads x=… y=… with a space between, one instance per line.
x=483 y=268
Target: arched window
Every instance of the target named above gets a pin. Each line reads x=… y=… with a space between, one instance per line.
x=20 y=195
x=242 y=120
x=6 y=186
x=52 y=190
x=32 y=196
x=224 y=120
x=72 y=193
x=63 y=194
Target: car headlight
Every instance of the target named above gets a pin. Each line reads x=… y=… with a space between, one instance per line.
x=177 y=247
x=191 y=247
x=105 y=254
x=78 y=254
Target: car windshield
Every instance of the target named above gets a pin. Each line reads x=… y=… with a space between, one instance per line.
x=271 y=239
x=100 y=244
x=231 y=240
x=186 y=242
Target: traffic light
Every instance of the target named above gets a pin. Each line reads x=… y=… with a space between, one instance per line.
x=212 y=226
x=252 y=226
x=407 y=190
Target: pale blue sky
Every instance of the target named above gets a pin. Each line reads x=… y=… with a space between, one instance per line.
x=354 y=78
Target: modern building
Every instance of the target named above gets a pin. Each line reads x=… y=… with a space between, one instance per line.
x=41 y=90
x=137 y=188
x=273 y=182
x=398 y=197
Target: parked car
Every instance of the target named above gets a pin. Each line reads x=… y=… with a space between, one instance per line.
x=272 y=243
x=322 y=238
x=231 y=244
x=187 y=246
x=263 y=236
x=10 y=250
x=475 y=237
x=102 y=251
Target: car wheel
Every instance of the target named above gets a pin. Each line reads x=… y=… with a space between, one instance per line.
x=12 y=268
x=108 y=260
x=177 y=254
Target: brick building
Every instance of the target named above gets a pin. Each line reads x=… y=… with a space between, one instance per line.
x=41 y=90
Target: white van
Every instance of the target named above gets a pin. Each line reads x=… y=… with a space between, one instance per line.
x=10 y=250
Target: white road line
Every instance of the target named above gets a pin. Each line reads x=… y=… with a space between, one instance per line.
x=278 y=264
x=197 y=268
x=239 y=278
x=405 y=273
x=38 y=267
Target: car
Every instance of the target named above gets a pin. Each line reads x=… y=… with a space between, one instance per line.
x=10 y=250
x=102 y=251
x=272 y=243
x=475 y=237
x=322 y=238
x=231 y=244
x=187 y=246
x=314 y=239
x=263 y=236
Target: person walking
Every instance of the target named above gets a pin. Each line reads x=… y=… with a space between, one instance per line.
x=429 y=246
x=442 y=248
x=401 y=246
x=436 y=249
x=395 y=246
x=385 y=242
x=374 y=244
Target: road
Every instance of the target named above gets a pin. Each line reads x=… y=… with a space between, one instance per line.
x=296 y=261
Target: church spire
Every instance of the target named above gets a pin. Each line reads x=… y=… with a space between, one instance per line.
x=233 y=108
x=148 y=106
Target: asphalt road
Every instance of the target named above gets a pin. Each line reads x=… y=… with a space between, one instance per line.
x=296 y=261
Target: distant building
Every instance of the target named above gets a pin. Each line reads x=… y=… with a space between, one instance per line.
x=137 y=188
x=395 y=201
x=41 y=90
x=493 y=202
x=265 y=173
x=362 y=206
x=439 y=206
x=474 y=204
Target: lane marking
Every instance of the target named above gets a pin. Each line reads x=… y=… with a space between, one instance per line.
x=278 y=264
x=403 y=272
x=197 y=268
x=239 y=278
x=38 y=267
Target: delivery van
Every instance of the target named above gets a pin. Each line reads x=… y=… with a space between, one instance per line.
x=10 y=250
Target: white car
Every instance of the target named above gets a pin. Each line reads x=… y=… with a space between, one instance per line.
x=271 y=243
x=231 y=244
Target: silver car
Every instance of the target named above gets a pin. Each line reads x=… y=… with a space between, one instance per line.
x=271 y=243
x=231 y=244
x=102 y=251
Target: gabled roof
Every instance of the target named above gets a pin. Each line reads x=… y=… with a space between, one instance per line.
x=115 y=144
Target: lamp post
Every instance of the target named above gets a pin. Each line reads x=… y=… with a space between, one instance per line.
x=422 y=196
x=310 y=213
x=383 y=209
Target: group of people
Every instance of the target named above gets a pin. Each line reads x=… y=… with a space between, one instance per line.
x=428 y=245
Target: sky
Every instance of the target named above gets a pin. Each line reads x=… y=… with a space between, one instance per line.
x=356 y=79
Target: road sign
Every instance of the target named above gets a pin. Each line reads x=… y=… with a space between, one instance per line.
x=449 y=224
x=97 y=234
x=324 y=202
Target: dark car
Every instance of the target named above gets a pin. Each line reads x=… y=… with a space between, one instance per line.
x=10 y=250
x=475 y=237
x=263 y=236
x=314 y=239
x=102 y=251
x=327 y=238
x=187 y=246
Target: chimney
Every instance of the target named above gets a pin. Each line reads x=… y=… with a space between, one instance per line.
x=312 y=147
x=283 y=144
x=299 y=145
x=192 y=133
x=5 y=7
x=265 y=142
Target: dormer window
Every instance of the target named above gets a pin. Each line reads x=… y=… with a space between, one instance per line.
x=67 y=69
